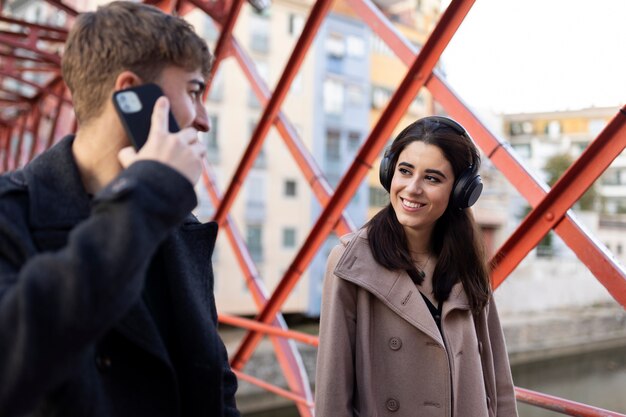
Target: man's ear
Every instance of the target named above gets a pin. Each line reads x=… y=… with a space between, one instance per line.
x=126 y=79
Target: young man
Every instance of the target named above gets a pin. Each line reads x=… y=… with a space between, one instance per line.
x=106 y=301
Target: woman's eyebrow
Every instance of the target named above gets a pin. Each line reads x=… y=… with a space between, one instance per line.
x=428 y=171
x=435 y=171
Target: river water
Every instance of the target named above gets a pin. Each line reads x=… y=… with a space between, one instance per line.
x=598 y=379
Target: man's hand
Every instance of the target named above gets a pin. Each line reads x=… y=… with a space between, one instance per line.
x=181 y=151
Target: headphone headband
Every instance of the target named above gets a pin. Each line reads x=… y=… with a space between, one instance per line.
x=467 y=187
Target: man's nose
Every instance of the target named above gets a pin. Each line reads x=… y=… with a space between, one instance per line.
x=201 y=122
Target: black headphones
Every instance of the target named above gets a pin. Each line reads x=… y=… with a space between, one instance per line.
x=468 y=185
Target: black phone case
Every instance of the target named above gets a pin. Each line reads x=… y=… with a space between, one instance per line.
x=136 y=121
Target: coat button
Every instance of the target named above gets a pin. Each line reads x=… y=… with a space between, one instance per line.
x=103 y=362
x=395 y=343
x=392 y=404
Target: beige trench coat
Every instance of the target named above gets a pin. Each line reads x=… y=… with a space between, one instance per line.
x=381 y=353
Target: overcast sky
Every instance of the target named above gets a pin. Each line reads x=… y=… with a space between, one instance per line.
x=540 y=55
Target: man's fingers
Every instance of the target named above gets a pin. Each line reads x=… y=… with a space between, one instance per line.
x=127 y=156
x=160 y=121
x=199 y=149
x=188 y=135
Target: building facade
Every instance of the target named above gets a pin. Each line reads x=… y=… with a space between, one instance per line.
x=540 y=139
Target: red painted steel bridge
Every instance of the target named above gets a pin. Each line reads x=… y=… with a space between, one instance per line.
x=35 y=109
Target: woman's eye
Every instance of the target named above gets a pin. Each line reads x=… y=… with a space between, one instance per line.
x=404 y=171
x=194 y=94
x=432 y=179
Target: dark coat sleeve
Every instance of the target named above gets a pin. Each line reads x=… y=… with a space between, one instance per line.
x=53 y=305
x=229 y=379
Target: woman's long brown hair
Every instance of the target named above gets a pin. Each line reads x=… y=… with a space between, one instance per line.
x=456 y=239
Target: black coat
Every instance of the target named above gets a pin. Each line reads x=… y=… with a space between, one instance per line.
x=106 y=304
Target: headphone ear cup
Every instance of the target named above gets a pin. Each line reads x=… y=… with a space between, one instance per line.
x=467 y=189
x=385 y=173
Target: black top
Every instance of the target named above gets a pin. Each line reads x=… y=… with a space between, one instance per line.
x=435 y=311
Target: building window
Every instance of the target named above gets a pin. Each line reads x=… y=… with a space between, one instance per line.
x=523 y=150
x=354 y=141
x=296 y=24
x=380 y=96
x=553 y=129
x=254 y=242
x=216 y=91
x=290 y=188
x=378 y=46
x=596 y=126
x=210 y=137
x=259 y=33
x=417 y=106
x=333 y=96
x=263 y=71
x=335 y=45
x=261 y=159
x=355 y=46
x=355 y=95
x=333 y=145
x=289 y=237
x=255 y=190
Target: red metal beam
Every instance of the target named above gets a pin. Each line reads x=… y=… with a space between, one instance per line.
x=568 y=189
x=62 y=6
x=18 y=149
x=274 y=389
x=215 y=9
x=40 y=88
x=62 y=32
x=560 y=405
x=46 y=56
x=318 y=12
x=35 y=125
x=268 y=329
x=286 y=352
x=413 y=81
x=597 y=259
x=57 y=115
x=301 y=155
x=25 y=36
x=7 y=132
x=221 y=48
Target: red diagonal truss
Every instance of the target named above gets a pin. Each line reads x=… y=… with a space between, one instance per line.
x=35 y=110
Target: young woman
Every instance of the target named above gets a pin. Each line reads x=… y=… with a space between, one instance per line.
x=408 y=326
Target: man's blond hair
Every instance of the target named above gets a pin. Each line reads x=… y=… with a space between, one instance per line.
x=126 y=36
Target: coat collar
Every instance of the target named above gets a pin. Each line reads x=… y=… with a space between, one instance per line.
x=56 y=193
x=393 y=288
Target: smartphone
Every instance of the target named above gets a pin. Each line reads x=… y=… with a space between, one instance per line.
x=134 y=107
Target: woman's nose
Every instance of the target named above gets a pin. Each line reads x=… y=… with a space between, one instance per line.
x=416 y=185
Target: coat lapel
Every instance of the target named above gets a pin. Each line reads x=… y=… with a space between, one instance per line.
x=393 y=288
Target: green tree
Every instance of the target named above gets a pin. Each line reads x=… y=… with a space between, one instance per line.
x=556 y=166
